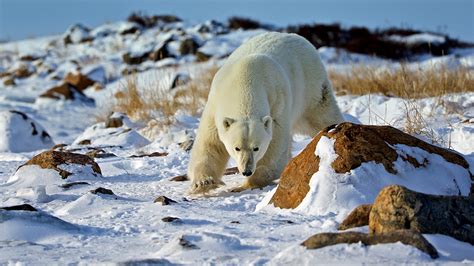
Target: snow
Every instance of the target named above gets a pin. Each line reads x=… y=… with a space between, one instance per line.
x=419 y=38
x=75 y=226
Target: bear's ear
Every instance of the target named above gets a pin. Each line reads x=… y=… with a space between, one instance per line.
x=228 y=122
x=267 y=121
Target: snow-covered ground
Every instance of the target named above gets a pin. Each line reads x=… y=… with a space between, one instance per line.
x=77 y=226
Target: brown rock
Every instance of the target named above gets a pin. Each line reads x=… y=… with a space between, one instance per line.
x=358 y=217
x=130 y=59
x=29 y=57
x=294 y=181
x=188 y=46
x=180 y=178
x=161 y=52
x=99 y=153
x=202 y=57
x=64 y=91
x=9 y=81
x=397 y=207
x=354 y=144
x=59 y=147
x=23 y=72
x=169 y=219
x=407 y=237
x=84 y=142
x=163 y=200
x=101 y=190
x=79 y=81
x=52 y=159
x=113 y=122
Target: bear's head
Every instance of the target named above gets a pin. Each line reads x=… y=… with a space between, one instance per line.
x=246 y=140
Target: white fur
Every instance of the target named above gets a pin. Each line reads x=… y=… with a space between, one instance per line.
x=272 y=86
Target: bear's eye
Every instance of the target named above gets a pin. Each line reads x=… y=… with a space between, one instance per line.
x=255 y=149
x=237 y=149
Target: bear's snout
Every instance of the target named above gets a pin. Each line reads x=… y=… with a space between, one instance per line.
x=247 y=173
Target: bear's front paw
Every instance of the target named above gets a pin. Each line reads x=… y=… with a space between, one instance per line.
x=202 y=186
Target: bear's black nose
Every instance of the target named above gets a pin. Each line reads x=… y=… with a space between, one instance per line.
x=247 y=173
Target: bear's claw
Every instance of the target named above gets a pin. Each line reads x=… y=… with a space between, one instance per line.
x=205 y=185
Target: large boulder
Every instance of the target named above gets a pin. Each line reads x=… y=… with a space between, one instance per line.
x=398 y=208
x=19 y=133
x=347 y=165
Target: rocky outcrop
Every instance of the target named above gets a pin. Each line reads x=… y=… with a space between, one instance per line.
x=66 y=91
x=406 y=237
x=397 y=208
x=355 y=145
x=78 y=80
x=56 y=160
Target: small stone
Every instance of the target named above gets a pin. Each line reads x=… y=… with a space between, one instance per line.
x=113 y=122
x=84 y=142
x=187 y=145
x=180 y=178
x=235 y=222
x=72 y=184
x=164 y=200
x=169 y=219
x=9 y=81
x=186 y=243
x=101 y=190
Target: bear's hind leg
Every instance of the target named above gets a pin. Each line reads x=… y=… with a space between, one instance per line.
x=322 y=113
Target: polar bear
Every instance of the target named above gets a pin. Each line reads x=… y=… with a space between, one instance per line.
x=272 y=86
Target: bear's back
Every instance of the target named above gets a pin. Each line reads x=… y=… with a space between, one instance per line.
x=279 y=46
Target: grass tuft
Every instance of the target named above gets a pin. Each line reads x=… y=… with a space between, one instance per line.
x=403 y=82
x=158 y=102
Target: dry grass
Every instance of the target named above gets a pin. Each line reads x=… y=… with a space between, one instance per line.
x=403 y=82
x=409 y=84
x=160 y=104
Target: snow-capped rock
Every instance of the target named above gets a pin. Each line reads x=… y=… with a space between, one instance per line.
x=348 y=165
x=19 y=133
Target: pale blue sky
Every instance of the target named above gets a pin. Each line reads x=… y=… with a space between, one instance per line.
x=21 y=19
